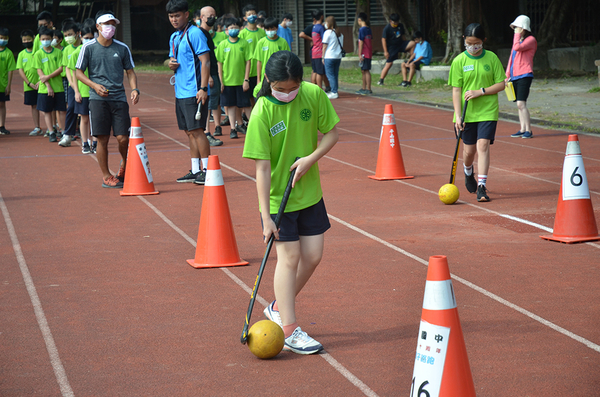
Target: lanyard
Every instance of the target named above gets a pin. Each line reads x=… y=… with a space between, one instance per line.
x=176 y=47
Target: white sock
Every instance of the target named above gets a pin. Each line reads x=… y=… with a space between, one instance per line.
x=468 y=170
x=204 y=163
x=482 y=179
x=195 y=165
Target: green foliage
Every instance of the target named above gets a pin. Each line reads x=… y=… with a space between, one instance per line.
x=9 y=6
x=443 y=36
x=594 y=90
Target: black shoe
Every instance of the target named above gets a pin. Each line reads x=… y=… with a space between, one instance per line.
x=211 y=120
x=408 y=84
x=218 y=131
x=4 y=131
x=213 y=141
x=244 y=118
x=94 y=147
x=471 y=183
x=200 y=178
x=482 y=194
x=189 y=177
x=380 y=82
x=327 y=89
x=233 y=134
x=53 y=137
x=225 y=121
x=403 y=84
x=241 y=129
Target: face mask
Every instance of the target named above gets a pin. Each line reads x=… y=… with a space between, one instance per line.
x=473 y=49
x=325 y=25
x=108 y=31
x=46 y=43
x=271 y=33
x=54 y=43
x=85 y=40
x=252 y=19
x=210 y=21
x=71 y=39
x=234 y=33
x=3 y=43
x=289 y=23
x=28 y=45
x=283 y=97
x=198 y=22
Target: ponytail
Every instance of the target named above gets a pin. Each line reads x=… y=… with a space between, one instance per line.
x=265 y=88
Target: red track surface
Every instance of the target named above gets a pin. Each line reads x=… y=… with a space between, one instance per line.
x=128 y=316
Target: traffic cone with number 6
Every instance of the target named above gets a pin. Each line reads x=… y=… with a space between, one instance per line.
x=574 y=221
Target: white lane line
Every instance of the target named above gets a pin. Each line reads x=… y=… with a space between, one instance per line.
x=57 y=366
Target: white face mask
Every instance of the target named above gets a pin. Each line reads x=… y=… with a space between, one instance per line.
x=271 y=33
x=289 y=23
x=54 y=43
x=85 y=40
x=473 y=49
x=325 y=25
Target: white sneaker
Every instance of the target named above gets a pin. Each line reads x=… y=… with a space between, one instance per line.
x=299 y=342
x=273 y=314
x=36 y=131
x=65 y=141
x=332 y=95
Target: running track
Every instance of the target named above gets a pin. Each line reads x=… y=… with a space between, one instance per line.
x=96 y=297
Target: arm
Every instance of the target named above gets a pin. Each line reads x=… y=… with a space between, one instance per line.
x=323 y=53
x=75 y=87
x=100 y=90
x=201 y=95
x=135 y=93
x=304 y=36
x=7 y=89
x=457 y=104
x=27 y=82
x=55 y=73
x=246 y=85
x=304 y=164
x=44 y=80
x=220 y=65
x=258 y=74
x=384 y=45
x=360 y=48
x=527 y=45
x=263 y=187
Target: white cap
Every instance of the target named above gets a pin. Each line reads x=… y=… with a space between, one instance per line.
x=107 y=17
x=522 y=21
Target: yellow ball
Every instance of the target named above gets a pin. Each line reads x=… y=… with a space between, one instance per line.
x=449 y=194
x=265 y=339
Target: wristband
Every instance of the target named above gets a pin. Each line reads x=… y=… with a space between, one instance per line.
x=483 y=90
x=135 y=89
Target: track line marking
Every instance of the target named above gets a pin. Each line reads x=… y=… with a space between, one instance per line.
x=57 y=366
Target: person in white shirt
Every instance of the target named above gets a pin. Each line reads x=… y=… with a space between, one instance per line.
x=333 y=42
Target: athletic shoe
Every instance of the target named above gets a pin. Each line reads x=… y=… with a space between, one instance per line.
x=112 y=182
x=213 y=141
x=361 y=92
x=482 y=194
x=225 y=121
x=527 y=135
x=52 y=137
x=368 y=92
x=241 y=129
x=233 y=134
x=408 y=84
x=85 y=149
x=244 y=118
x=218 y=131
x=46 y=134
x=121 y=175
x=200 y=178
x=470 y=182
x=299 y=342
x=403 y=84
x=517 y=134
x=332 y=95
x=37 y=131
x=189 y=177
x=94 y=147
x=380 y=82
x=327 y=89
x=273 y=314
x=4 y=131
x=65 y=141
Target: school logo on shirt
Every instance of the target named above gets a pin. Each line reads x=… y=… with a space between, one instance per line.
x=277 y=128
x=227 y=50
x=468 y=68
x=305 y=114
x=266 y=48
x=44 y=60
x=487 y=68
x=249 y=40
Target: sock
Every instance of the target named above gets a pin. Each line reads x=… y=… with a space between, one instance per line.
x=275 y=307
x=468 y=170
x=89 y=141
x=204 y=164
x=195 y=165
x=288 y=330
x=482 y=179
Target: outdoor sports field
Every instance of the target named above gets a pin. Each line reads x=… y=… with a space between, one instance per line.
x=97 y=299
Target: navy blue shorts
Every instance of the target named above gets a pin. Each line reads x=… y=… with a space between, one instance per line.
x=30 y=98
x=4 y=97
x=253 y=82
x=215 y=93
x=234 y=95
x=317 y=66
x=366 y=64
x=82 y=108
x=479 y=130
x=48 y=104
x=310 y=221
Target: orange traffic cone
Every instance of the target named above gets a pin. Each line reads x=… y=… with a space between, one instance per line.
x=441 y=364
x=574 y=221
x=138 y=177
x=389 y=159
x=216 y=246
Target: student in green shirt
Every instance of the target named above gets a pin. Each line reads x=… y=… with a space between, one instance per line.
x=476 y=76
x=233 y=57
x=285 y=124
x=267 y=46
x=252 y=34
x=7 y=66
x=72 y=34
x=27 y=71
x=51 y=93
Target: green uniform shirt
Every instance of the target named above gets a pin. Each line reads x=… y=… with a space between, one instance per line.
x=280 y=132
x=233 y=56
x=25 y=62
x=219 y=37
x=7 y=64
x=84 y=90
x=252 y=37
x=67 y=54
x=472 y=73
x=49 y=62
x=267 y=47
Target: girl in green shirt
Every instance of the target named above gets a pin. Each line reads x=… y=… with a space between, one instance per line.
x=285 y=123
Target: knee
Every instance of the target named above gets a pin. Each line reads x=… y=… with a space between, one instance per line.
x=521 y=105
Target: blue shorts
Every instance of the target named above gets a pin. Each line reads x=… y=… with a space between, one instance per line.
x=317 y=66
x=234 y=95
x=48 y=104
x=4 y=97
x=366 y=64
x=310 y=221
x=479 y=130
x=30 y=98
x=215 y=93
x=82 y=108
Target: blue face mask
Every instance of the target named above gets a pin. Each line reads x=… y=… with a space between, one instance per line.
x=46 y=43
x=252 y=19
x=234 y=32
x=3 y=43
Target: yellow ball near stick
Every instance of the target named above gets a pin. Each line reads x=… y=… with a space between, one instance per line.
x=265 y=339
x=449 y=194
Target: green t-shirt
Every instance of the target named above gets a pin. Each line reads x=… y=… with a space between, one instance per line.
x=473 y=73
x=267 y=47
x=219 y=37
x=84 y=90
x=25 y=62
x=233 y=56
x=252 y=37
x=7 y=64
x=67 y=54
x=49 y=62
x=280 y=132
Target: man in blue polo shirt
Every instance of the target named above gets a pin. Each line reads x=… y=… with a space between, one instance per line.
x=190 y=60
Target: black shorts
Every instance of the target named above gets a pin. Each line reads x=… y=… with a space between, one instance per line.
x=522 y=87
x=479 y=130
x=253 y=82
x=215 y=93
x=185 y=111
x=310 y=221
x=366 y=64
x=235 y=96
x=30 y=98
x=417 y=64
x=105 y=115
x=317 y=66
x=48 y=104
x=4 y=98
x=82 y=108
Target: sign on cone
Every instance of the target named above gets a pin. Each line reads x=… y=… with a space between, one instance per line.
x=574 y=221
x=216 y=246
x=138 y=177
x=389 y=159
x=441 y=363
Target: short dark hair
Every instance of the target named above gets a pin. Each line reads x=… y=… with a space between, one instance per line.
x=71 y=26
x=44 y=15
x=260 y=21
x=58 y=34
x=417 y=35
x=271 y=23
x=174 y=6
x=395 y=17
x=198 y=13
x=87 y=30
x=89 y=23
x=475 y=30
x=281 y=66
x=4 y=32
x=287 y=16
x=363 y=17
x=227 y=22
x=262 y=14
x=46 y=31
x=27 y=32
x=317 y=14
x=65 y=22
x=248 y=7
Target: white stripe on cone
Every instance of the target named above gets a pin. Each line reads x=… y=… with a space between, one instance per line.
x=439 y=295
x=214 y=178
x=136 y=132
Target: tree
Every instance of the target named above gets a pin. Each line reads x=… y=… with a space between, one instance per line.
x=455 y=26
x=399 y=7
x=557 y=23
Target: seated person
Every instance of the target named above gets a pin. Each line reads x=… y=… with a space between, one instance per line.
x=421 y=55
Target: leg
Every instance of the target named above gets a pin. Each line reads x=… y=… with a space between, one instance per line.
x=364 y=79
x=102 y=155
x=285 y=279
x=61 y=119
x=48 y=120
x=368 y=74
x=123 y=141
x=2 y=113
x=403 y=66
x=35 y=115
x=411 y=74
x=524 y=116
x=200 y=142
x=311 y=252
x=319 y=80
x=469 y=152
x=84 y=127
x=386 y=69
x=483 y=156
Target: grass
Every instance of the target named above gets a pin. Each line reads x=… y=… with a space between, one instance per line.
x=151 y=67
x=594 y=90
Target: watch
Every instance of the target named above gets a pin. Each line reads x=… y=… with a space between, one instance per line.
x=483 y=90
x=205 y=89
x=246 y=80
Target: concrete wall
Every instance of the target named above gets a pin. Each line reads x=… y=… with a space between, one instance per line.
x=569 y=58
